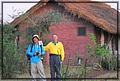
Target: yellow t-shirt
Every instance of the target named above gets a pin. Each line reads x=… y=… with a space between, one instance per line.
x=57 y=49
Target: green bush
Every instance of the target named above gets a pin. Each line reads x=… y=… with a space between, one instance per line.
x=102 y=53
x=12 y=61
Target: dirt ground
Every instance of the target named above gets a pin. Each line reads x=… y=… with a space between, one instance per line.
x=92 y=75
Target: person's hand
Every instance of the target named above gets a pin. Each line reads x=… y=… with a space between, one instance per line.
x=35 y=54
x=39 y=54
x=61 y=63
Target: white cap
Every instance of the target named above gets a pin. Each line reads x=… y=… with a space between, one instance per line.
x=36 y=36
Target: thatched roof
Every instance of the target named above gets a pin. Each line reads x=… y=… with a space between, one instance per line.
x=100 y=14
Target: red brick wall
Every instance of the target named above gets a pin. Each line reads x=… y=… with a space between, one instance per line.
x=72 y=42
x=22 y=31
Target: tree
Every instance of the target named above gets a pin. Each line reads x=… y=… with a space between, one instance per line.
x=49 y=18
x=12 y=63
x=102 y=53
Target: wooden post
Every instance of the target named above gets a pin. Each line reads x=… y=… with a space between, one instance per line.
x=102 y=38
x=30 y=20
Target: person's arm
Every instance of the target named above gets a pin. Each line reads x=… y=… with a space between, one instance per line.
x=62 y=52
x=46 y=48
x=28 y=50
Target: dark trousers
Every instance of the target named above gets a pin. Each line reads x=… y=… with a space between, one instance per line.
x=55 y=67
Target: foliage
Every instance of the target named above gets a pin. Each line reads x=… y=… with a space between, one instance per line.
x=71 y=71
x=12 y=62
x=50 y=18
x=64 y=70
x=93 y=52
x=44 y=21
x=102 y=52
x=98 y=49
x=82 y=70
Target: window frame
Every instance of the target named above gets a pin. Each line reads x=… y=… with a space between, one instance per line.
x=82 y=34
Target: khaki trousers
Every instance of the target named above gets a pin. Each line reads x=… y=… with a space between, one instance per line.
x=39 y=66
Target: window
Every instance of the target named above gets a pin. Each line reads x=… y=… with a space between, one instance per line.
x=81 y=31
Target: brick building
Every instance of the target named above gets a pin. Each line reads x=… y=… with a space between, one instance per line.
x=85 y=18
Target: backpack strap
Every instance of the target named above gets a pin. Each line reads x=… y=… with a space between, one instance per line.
x=41 y=47
x=31 y=47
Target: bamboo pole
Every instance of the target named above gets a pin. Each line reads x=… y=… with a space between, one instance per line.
x=30 y=20
x=32 y=23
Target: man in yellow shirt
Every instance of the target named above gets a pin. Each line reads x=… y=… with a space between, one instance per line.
x=56 y=56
